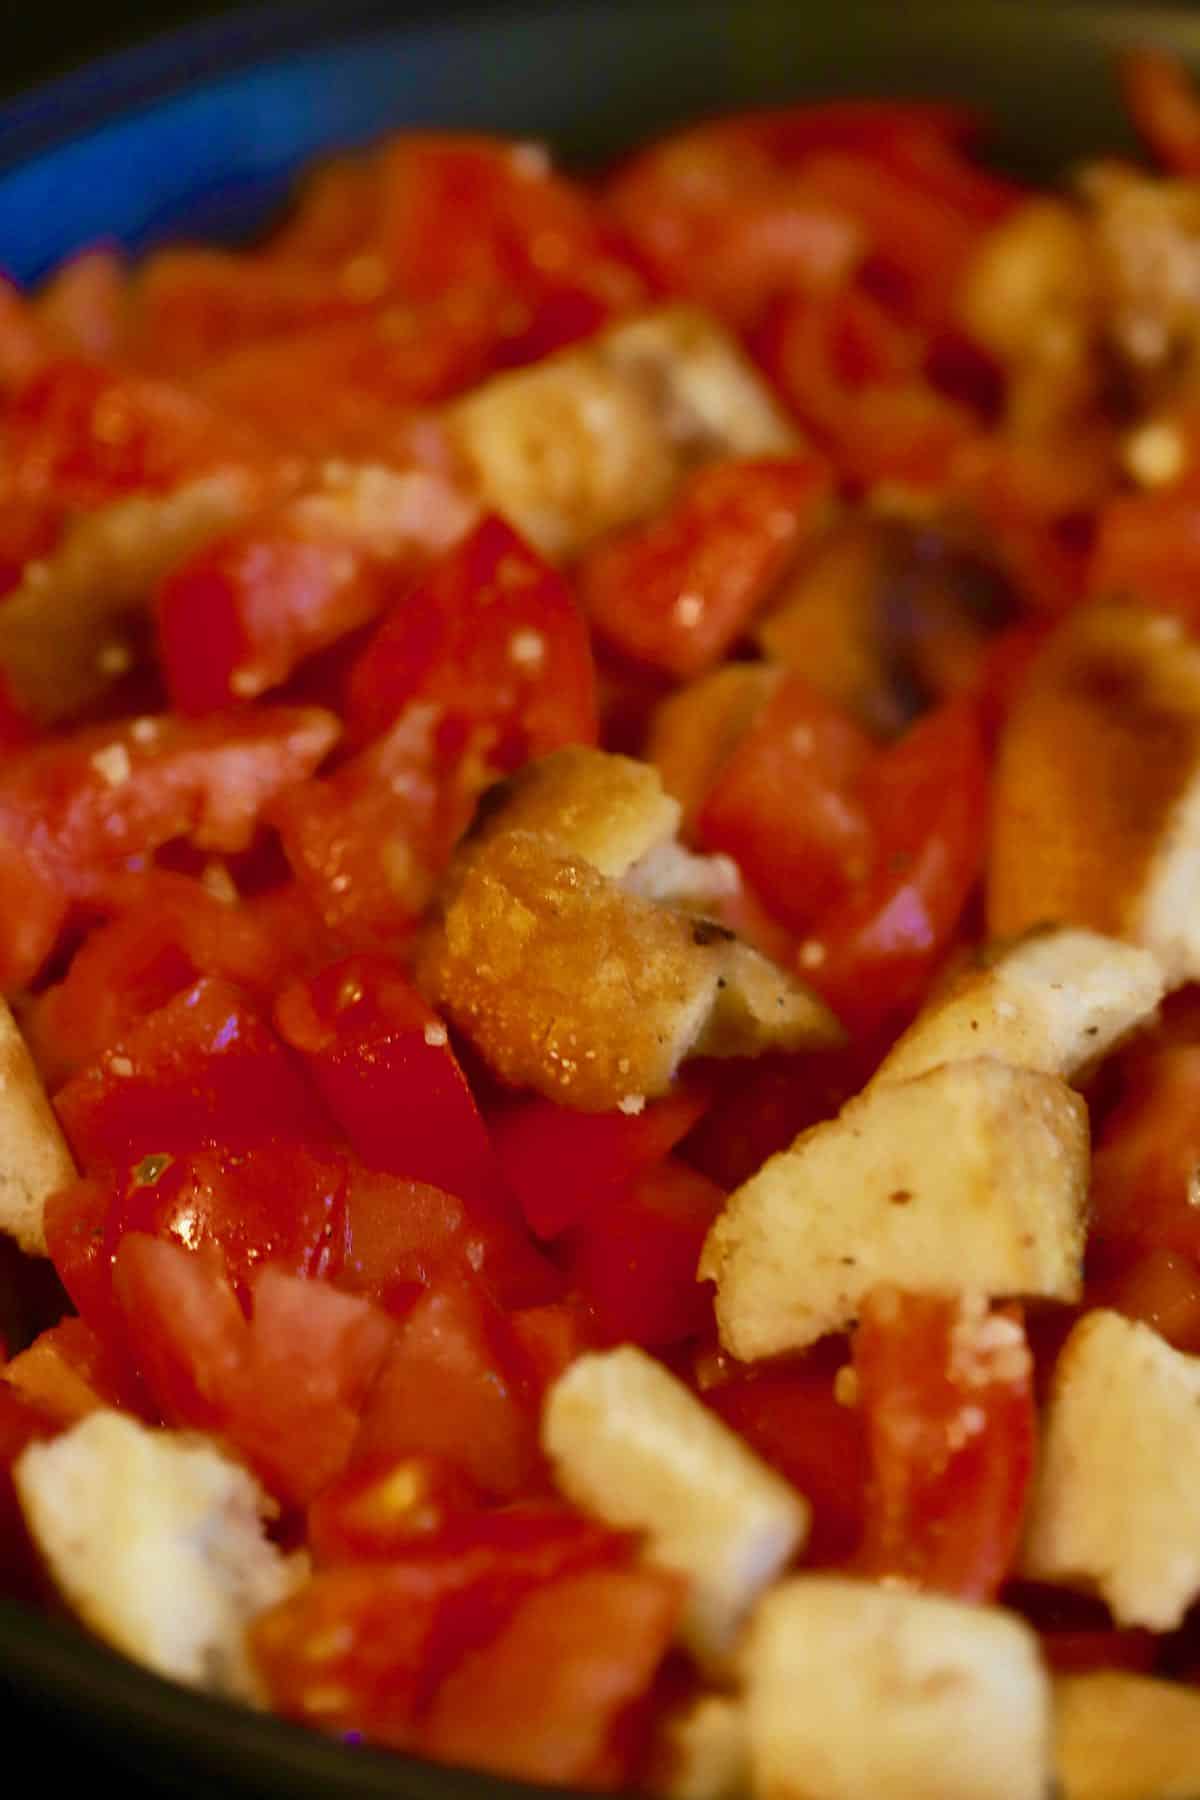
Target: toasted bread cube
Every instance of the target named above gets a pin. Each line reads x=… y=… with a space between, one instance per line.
x=34 y=1159
x=630 y=1443
x=854 y=1690
x=553 y=958
x=973 y=1175
x=703 y=1752
x=597 y=436
x=1096 y=800
x=1114 y=1507
x=66 y=630
x=1126 y=1737
x=155 y=1538
x=1058 y=1000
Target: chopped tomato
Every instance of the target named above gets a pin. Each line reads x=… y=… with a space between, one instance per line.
x=544 y=1701
x=945 y=1391
x=84 y=304
x=204 y=1069
x=457 y=1384
x=563 y=1165
x=677 y=593
x=375 y=1511
x=493 y=642
x=761 y=1108
x=786 y=804
x=789 y=1413
x=285 y=1387
x=1159 y=1287
x=1146 y=1156
x=22 y=1422
x=1160 y=97
x=926 y=795
x=28 y=529
x=1148 y=552
x=363 y=1648
x=634 y=1256
x=552 y=1336
x=70 y=1371
x=1077 y=1633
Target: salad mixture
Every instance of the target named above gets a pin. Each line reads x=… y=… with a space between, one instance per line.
x=600 y=914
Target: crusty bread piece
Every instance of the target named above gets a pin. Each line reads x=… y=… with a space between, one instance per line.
x=854 y=1690
x=574 y=984
x=67 y=628
x=1126 y=1737
x=630 y=1443
x=597 y=436
x=155 y=1538
x=1114 y=1506
x=972 y=1175
x=702 y=1752
x=1096 y=799
x=1057 y=1000
x=34 y=1159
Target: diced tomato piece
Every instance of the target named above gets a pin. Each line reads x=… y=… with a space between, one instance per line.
x=1146 y=1157
x=927 y=797
x=84 y=304
x=790 y=1415
x=678 y=592
x=853 y=376
x=562 y=1165
x=74 y=1220
x=760 y=1108
x=361 y=1649
x=28 y=529
x=1160 y=97
x=138 y=961
x=374 y=1511
x=544 y=1701
x=84 y=434
x=786 y=804
x=285 y=1387
x=946 y=1397
x=1077 y=1633
x=334 y=213
x=25 y=343
x=69 y=1372
x=204 y=1069
x=456 y=1383
x=1162 y=1289
x=552 y=1336
x=634 y=1257
x=493 y=639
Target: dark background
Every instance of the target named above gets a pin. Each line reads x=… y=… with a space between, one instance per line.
x=38 y=42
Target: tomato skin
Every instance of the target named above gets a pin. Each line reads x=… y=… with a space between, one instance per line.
x=384 y=1635
x=69 y=1371
x=927 y=798
x=790 y=1415
x=761 y=1108
x=785 y=805
x=634 y=1257
x=561 y=1165
x=1147 y=551
x=204 y=1069
x=947 y=1403
x=456 y=1384
x=285 y=1387
x=678 y=592
x=1159 y=1287
x=1145 y=1158
x=543 y=1700
x=493 y=639
x=377 y=1510
x=551 y=1336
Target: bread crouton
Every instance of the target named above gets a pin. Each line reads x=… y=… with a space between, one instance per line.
x=1057 y=1000
x=74 y=622
x=631 y=1444
x=702 y=1752
x=1114 y=1505
x=155 y=1538
x=972 y=1175
x=1126 y=1737
x=569 y=980
x=1096 y=798
x=34 y=1159
x=854 y=1690
x=596 y=436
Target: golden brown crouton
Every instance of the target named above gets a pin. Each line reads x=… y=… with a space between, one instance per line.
x=1057 y=1000
x=34 y=1159
x=973 y=1175
x=631 y=1444
x=854 y=1690
x=1126 y=1737
x=1114 y=1508
x=1096 y=800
